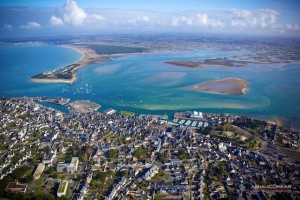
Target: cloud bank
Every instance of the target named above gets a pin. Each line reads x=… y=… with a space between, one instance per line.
x=235 y=20
x=31 y=25
x=71 y=18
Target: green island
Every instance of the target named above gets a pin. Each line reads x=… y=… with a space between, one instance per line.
x=223 y=62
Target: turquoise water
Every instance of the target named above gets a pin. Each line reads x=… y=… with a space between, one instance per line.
x=144 y=83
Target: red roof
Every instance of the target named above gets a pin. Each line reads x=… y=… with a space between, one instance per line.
x=16 y=187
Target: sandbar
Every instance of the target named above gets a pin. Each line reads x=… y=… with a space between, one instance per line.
x=230 y=86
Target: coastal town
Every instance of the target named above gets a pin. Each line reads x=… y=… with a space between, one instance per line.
x=149 y=100
x=90 y=154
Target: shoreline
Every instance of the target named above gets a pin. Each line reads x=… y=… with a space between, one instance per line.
x=88 y=57
x=75 y=49
x=49 y=80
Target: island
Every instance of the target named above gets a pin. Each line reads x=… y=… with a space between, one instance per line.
x=230 y=86
x=223 y=62
x=83 y=106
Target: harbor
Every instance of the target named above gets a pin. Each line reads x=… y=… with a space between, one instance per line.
x=54 y=100
x=192 y=119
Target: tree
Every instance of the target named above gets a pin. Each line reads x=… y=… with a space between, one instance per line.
x=89 y=150
x=123 y=173
x=207 y=130
x=141 y=152
x=51 y=170
x=182 y=154
x=28 y=179
x=163 y=157
x=112 y=153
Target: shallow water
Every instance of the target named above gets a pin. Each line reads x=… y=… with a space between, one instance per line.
x=144 y=83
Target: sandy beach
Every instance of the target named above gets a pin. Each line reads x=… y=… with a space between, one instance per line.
x=89 y=56
x=230 y=86
x=49 y=80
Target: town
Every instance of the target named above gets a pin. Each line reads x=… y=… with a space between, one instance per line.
x=47 y=154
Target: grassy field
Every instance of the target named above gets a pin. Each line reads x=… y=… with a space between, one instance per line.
x=127 y=113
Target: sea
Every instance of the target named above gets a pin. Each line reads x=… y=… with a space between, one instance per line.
x=144 y=83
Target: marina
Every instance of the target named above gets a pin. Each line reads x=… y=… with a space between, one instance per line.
x=191 y=119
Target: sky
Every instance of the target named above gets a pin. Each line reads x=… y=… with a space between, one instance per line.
x=23 y=18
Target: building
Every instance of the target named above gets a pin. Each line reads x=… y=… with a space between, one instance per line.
x=151 y=173
x=109 y=111
x=175 y=161
x=48 y=158
x=39 y=170
x=62 y=189
x=68 y=167
x=195 y=114
x=89 y=178
x=16 y=187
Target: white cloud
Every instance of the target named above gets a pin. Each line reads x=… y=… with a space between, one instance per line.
x=71 y=14
x=56 y=21
x=31 y=25
x=293 y=26
x=93 y=20
x=201 y=19
x=239 y=19
x=234 y=20
x=98 y=17
x=7 y=27
x=182 y=21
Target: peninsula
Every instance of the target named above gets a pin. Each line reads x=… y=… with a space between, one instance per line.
x=223 y=62
x=230 y=86
x=68 y=74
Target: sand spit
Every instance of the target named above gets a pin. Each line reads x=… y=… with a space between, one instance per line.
x=67 y=74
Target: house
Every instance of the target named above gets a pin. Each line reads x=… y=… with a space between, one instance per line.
x=16 y=187
x=149 y=174
x=89 y=178
x=175 y=161
x=48 y=158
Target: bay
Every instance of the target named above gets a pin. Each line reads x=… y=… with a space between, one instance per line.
x=144 y=83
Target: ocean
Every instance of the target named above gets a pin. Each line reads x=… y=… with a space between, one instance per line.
x=144 y=83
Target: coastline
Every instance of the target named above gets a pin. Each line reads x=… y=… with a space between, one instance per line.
x=89 y=56
x=49 y=80
x=75 y=49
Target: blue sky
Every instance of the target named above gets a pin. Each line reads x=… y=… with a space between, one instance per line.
x=165 y=5
x=20 y=18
